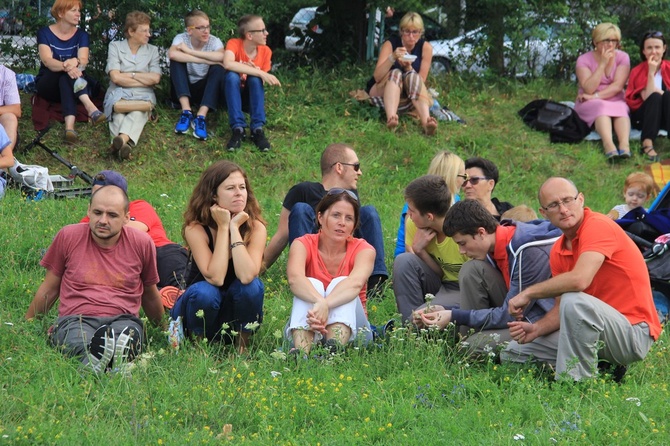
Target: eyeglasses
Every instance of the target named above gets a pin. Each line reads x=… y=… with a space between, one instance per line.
x=202 y=29
x=472 y=180
x=555 y=206
x=614 y=41
x=264 y=31
x=339 y=190
x=356 y=166
x=413 y=32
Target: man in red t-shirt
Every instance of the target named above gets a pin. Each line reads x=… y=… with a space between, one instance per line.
x=606 y=311
x=247 y=60
x=103 y=272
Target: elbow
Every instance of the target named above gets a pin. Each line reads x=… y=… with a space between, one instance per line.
x=581 y=283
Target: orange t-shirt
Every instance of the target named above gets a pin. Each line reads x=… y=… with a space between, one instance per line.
x=315 y=267
x=263 y=59
x=622 y=280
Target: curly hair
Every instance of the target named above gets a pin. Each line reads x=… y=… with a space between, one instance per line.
x=133 y=20
x=198 y=209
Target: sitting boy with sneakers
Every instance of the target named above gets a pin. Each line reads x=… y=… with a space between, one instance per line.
x=196 y=72
x=247 y=61
x=103 y=272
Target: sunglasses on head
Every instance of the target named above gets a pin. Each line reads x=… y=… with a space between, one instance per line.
x=653 y=35
x=339 y=190
x=356 y=166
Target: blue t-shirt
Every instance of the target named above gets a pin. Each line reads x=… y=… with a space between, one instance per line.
x=61 y=49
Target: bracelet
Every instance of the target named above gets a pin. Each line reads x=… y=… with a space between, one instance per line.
x=596 y=95
x=233 y=245
x=133 y=75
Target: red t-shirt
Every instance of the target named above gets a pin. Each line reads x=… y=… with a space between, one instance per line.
x=315 y=267
x=263 y=59
x=143 y=212
x=504 y=236
x=98 y=281
x=622 y=280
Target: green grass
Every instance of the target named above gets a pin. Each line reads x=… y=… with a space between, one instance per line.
x=417 y=388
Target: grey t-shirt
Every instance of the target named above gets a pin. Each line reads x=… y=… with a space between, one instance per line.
x=197 y=71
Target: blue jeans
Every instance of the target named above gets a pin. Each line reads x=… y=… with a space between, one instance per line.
x=250 y=97
x=205 y=92
x=236 y=306
x=302 y=220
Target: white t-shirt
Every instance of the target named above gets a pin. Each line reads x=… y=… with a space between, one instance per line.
x=197 y=71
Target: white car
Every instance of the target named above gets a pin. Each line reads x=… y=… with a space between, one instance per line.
x=468 y=53
x=300 y=20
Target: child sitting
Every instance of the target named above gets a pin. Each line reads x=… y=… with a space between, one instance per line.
x=637 y=189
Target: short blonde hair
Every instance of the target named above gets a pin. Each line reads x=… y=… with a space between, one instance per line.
x=604 y=31
x=448 y=165
x=411 y=19
x=644 y=180
x=519 y=213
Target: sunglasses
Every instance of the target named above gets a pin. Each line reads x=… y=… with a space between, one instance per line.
x=339 y=190
x=356 y=166
x=472 y=180
x=264 y=31
x=653 y=35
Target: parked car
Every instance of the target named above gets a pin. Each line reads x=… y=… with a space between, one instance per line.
x=469 y=51
x=296 y=39
x=433 y=30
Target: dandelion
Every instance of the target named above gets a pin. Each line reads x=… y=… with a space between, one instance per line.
x=200 y=313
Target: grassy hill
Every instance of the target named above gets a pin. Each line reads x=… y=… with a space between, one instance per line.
x=415 y=389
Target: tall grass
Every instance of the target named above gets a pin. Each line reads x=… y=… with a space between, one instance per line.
x=413 y=388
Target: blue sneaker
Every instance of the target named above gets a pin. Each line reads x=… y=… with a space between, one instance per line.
x=184 y=122
x=199 y=128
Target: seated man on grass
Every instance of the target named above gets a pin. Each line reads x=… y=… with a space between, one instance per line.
x=171 y=257
x=503 y=261
x=103 y=272
x=340 y=169
x=432 y=263
x=247 y=61
x=196 y=73
x=604 y=309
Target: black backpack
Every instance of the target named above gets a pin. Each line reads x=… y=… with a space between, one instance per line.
x=561 y=121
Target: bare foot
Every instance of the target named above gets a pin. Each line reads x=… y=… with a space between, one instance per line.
x=392 y=122
x=430 y=127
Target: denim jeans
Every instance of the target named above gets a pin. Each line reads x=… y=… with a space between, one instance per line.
x=250 y=97
x=236 y=306
x=59 y=87
x=205 y=92
x=302 y=220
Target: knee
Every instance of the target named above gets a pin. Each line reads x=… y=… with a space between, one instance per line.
x=369 y=215
x=301 y=211
x=254 y=82
x=403 y=263
x=232 y=79
x=573 y=306
x=203 y=295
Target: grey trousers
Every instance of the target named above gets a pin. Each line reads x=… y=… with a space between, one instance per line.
x=482 y=285
x=73 y=333
x=413 y=279
x=131 y=124
x=591 y=330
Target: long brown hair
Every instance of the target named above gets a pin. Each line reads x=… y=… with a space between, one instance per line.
x=202 y=198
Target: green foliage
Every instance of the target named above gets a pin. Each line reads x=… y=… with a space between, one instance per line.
x=413 y=388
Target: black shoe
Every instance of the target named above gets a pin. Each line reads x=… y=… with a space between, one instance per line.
x=258 y=137
x=616 y=371
x=101 y=349
x=235 y=141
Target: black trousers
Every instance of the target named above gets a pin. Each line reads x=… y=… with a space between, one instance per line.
x=653 y=115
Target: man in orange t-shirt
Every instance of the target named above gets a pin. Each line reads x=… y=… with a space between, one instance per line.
x=606 y=310
x=247 y=60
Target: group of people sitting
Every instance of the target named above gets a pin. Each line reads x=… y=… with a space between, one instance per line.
x=571 y=290
x=202 y=73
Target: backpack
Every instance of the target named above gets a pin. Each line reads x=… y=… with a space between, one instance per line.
x=561 y=121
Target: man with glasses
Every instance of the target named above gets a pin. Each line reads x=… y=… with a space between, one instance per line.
x=481 y=177
x=433 y=261
x=247 y=61
x=196 y=73
x=604 y=309
x=340 y=169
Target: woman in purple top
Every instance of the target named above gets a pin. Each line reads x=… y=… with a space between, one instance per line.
x=398 y=83
x=602 y=74
x=63 y=51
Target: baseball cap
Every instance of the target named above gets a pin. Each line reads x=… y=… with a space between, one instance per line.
x=110 y=178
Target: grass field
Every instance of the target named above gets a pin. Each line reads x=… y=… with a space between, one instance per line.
x=415 y=388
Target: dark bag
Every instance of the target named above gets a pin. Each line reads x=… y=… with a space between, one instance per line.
x=561 y=121
x=552 y=117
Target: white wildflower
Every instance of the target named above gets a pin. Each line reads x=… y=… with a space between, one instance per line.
x=275 y=374
x=519 y=437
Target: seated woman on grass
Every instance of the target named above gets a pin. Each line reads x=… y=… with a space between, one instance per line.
x=328 y=273
x=398 y=83
x=226 y=234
